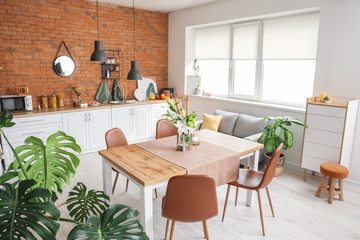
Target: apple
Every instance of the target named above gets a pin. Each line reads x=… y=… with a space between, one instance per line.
x=157 y=96
x=166 y=94
x=162 y=95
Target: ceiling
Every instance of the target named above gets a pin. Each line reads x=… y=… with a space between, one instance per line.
x=159 y=5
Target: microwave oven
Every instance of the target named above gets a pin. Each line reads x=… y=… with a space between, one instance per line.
x=16 y=103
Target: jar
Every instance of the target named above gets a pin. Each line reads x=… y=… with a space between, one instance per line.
x=60 y=99
x=44 y=101
x=53 y=101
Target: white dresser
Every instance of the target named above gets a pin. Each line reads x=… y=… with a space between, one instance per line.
x=330 y=132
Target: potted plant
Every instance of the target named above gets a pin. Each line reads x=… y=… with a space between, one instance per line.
x=276 y=134
x=196 y=70
x=29 y=188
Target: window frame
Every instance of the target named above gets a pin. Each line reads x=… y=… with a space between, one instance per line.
x=259 y=74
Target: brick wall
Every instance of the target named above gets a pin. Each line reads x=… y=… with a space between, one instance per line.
x=32 y=30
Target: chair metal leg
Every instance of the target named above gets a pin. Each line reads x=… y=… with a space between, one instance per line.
x=268 y=194
x=127 y=185
x=116 y=178
x=172 y=230
x=322 y=183
x=155 y=193
x=226 y=200
x=261 y=213
x=236 y=196
x=206 y=232
x=167 y=227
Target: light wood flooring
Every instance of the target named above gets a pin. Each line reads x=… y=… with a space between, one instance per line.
x=298 y=213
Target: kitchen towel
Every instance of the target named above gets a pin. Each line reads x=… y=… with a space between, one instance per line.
x=116 y=92
x=103 y=94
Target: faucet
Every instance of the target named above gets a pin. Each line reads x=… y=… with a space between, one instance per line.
x=122 y=92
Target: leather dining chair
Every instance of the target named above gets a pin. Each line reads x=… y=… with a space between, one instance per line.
x=116 y=138
x=165 y=129
x=189 y=198
x=254 y=180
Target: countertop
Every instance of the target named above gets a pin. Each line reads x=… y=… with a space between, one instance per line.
x=46 y=111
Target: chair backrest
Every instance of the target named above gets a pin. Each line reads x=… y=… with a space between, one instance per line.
x=115 y=138
x=165 y=129
x=271 y=167
x=190 y=198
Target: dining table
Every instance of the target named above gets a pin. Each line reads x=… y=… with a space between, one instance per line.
x=151 y=164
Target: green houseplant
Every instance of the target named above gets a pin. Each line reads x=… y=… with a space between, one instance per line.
x=29 y=188
x=275 y=134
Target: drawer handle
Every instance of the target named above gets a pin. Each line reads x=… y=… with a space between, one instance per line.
x=40 y=120
x=32 y=133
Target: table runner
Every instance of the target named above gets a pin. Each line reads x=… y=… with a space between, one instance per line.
x=220 y=163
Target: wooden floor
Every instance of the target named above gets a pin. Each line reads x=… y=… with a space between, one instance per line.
x=298 y=213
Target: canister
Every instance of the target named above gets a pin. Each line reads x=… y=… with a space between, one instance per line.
x=44 y=101
x=53 y=101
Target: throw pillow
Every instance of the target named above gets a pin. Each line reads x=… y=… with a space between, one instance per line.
x=228 y=121
x=247 y=125
x=211 y=122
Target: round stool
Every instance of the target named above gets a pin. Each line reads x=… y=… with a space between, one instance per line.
x=333 y=171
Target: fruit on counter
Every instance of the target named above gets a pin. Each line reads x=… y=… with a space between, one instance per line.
x=152 y=96
x=157 y=96
x=166 y=94
x=162 y=95
x=165 y=97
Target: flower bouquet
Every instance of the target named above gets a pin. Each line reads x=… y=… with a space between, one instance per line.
x=185 y=124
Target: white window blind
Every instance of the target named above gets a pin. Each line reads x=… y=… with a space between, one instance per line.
x=245 y=41
x=212 y=42
x=291 y=37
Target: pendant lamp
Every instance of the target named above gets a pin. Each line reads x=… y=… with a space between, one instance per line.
x=98 y=55
x=134 y=73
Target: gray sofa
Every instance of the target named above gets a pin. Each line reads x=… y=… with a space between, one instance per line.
x=241 y=125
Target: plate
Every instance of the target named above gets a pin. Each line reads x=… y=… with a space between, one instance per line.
x=116 y=102
x=94 y=104
x=139 y=94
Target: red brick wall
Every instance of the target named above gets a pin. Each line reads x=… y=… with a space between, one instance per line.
x=32 y=30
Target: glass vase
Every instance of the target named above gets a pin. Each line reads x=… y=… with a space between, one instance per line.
x=184 y=141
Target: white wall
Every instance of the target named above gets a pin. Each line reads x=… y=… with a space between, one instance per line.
x=338 y=55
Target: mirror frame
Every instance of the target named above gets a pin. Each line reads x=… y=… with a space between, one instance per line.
x=59 y=73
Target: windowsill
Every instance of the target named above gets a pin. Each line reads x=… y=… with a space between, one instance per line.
x=254 y=103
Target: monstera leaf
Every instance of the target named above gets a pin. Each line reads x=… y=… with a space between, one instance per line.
x=51 y=165
x=81 y=203
x=123 y=226
x=21 y=212
x=6 y=121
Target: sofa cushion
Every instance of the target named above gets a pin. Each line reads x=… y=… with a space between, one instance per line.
x=211 y=122
x=228 y=121
x=247 y=125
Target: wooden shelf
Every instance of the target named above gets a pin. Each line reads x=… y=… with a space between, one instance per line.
x=337 y=102
x=112 y=78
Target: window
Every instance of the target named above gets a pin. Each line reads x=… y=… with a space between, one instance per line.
x=272 y=60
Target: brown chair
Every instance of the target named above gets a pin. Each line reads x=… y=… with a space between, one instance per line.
x=165 y=129
x=253 y=180
x=116 y=138
x=189 y=198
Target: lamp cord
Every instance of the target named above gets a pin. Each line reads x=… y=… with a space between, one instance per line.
x=97 y=18
x=134 y=28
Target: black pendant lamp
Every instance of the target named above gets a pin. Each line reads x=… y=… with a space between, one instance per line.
x=134 y=73
x=98 y=55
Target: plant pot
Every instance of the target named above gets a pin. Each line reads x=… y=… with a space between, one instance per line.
x=198 y=91
x=280 y=164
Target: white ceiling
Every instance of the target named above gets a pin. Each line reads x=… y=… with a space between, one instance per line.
x=159 y=5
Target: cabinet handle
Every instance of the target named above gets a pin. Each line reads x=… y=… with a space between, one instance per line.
x=85 y=117
x=133 y=111
x=32 y=133
x=89 y=117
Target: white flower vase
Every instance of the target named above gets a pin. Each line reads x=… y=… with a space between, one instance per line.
x=198 y=91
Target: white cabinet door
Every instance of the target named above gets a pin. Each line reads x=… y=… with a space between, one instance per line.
x=121 y=118
x=142 y=122
x=75 y=125
x=99 y=123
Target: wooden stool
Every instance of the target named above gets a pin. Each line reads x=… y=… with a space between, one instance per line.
x=333 y=171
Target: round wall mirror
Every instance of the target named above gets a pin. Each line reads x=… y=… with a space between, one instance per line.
x=64 y=66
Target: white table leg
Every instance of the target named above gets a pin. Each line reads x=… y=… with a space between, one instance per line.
x=146 y=210
x=106 y=172
x=253 y=165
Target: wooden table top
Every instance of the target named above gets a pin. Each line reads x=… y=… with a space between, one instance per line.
x=143 y=166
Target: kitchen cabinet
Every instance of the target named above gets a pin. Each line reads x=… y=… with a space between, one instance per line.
x=330 y=133
x=134 y=121
x=40 y=126
x=88 y=128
